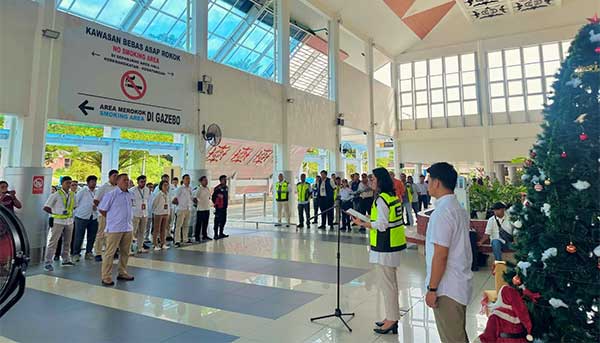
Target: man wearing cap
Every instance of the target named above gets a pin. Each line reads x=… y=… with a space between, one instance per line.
x=499 y=230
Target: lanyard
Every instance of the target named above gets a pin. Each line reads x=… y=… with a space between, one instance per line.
x=65 y=197
x=141 y=193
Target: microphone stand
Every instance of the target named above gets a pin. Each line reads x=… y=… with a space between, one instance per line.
x=337 y=312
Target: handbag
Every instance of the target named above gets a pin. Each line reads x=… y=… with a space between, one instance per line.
x=507 y=237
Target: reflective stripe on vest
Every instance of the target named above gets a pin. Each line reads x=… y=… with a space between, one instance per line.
x=281 y=191
x=303 y=190
x=392 y=239
x=69 y=207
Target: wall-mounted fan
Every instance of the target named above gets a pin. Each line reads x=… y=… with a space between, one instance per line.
x=212 y=134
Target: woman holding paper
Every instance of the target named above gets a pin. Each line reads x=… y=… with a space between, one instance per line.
x=387 y=240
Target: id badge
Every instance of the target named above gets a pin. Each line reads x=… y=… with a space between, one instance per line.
x=166 y=207
x=143 y=206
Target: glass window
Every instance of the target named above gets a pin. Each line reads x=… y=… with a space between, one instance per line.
x=529 y=73
x=407 y=112
x=439 y=86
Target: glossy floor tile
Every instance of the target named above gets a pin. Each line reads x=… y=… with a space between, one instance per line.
x=255 y=286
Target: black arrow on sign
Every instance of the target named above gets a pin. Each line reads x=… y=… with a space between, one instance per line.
x=83 y=107
x=95 y=54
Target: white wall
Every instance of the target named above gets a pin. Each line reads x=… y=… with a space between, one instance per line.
x=17 y=29
x=354 y=96
x=311 y=120
x=384 y=109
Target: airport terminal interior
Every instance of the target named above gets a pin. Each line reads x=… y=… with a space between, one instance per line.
x=416 y=171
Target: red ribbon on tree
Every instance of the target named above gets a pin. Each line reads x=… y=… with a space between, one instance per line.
x=534 y=296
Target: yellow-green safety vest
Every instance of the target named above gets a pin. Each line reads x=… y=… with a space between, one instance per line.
x=69 y=206
x=336 y=191
x=303 y=190
x=409 y=192
x=392 y=239
x=281 y=191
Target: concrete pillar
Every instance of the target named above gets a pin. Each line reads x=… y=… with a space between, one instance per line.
x=371 y=134
x=195 y=158
x=488 y=160
x=200 y=26
x=110 y=156
x=334 y=89
x=499 y=171
x=397 y=119
x=418 y=171
x=512 y=175
x=27 y=142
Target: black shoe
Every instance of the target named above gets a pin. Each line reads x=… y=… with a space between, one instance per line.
x=301 y=226
x=56 y=258
x=177 y=245
x=189 y=241
x=393 y=329
x=287 y=225
x=116 y=256
x=68 y=264
x=125 y=278
x=98 y=258
x=379 y=324
x=331 y=227
x=169 y=239
x=223 y=235
x=277 y=224
x=217 y=237
x=315 y=222
x=206 y=238
x=343 y=229
x=107 y=284
x=322 y=227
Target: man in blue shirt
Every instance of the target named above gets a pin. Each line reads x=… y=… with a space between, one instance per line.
x=116 y=206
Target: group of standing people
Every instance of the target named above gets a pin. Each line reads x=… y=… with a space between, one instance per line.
x=119 y=216
x=333 y=196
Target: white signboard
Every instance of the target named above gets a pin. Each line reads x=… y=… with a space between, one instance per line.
x=112 y=78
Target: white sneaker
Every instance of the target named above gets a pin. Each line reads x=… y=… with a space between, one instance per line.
x=165 y=247
x=156 y=248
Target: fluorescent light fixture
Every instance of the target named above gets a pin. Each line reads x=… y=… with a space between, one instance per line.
x=50 y=34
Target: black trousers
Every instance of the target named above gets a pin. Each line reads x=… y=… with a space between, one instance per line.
x=201 y=224
x=220 y=220
x=302 y=210
x=326 y=204
x=81 y=226
x=423 y=201
x=365 y=205
x=415 y=206
x=346 y=205
x=316 y=206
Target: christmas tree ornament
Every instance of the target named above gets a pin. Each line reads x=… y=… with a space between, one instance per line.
x=518 y=224
x=516 y=280
x=594 y=19
x=532 y=154
x=581 y=185
x=557 y=303
x=547 y=182
x=523 y=265
x=538 y=187
x=594 y=37
x=597 y=251
x=583 y=137
x=563 y=154
x=581 y=70
x=546 y=209
x=528 y=163
x=581 y=118
x=597 y=50
x=598 y=263
x=575 y=82
x=571 y=248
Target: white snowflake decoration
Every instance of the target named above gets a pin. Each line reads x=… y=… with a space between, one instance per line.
x=581 y=185
x=557 y=303
x=597 y=251
x=523 y=267
x=524 y=177
x=576 y=82
x=594 y=37
x=518 y=224
x=550 y=252
x=546 y=209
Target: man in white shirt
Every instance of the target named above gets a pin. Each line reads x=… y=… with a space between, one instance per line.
x=499 y=221
x=86 y=219
x=60 y=206
x=202 y=201
x=422 y=189
x=183 y=200
x=448 y=256
x=105 y=188
x=141 y=202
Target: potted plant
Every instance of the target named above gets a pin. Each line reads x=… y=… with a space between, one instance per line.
x=479 y=196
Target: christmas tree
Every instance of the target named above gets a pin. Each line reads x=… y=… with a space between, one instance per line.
x=558 y=239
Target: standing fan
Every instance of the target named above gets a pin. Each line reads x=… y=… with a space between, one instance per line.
x=212 y=134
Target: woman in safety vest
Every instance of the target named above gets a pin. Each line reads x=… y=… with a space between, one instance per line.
x=387 y=240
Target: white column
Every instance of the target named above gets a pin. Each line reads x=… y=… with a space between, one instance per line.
x=200 y=28
x=28 y=137
x=110 y=155
x=195 y=158
x=397 y=121
x=418 y=170
x=334 y=89
x=499 y=167
x=488 y=160
x=371 y=133
x=512 y=174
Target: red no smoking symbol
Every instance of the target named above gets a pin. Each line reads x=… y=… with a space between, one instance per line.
x=133 y=85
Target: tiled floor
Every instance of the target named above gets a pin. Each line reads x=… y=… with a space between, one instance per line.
x=255 y=286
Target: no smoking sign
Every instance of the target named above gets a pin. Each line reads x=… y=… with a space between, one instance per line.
x=133 y=85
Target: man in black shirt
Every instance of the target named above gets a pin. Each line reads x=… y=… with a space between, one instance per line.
x=220 y=198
